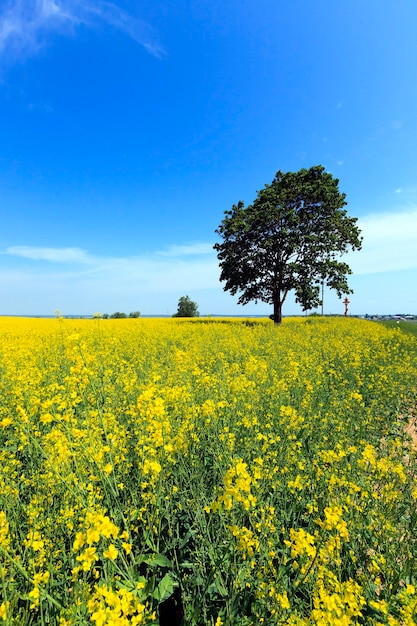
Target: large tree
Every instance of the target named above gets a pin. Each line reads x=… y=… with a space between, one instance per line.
x=289 y=239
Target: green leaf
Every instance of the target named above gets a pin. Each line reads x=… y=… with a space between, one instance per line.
x=158 y=560
x=154 y=560
x=131 y=585
x=217 y=588
x=165 y=589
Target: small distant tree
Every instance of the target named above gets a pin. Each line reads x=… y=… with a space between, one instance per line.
x=134 y=314
x=105 y=316
x=117 y=315
x=186 y=308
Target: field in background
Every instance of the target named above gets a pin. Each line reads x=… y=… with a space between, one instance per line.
x=222 y=472
x=407 y=327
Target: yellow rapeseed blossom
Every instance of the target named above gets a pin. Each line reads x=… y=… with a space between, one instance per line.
x=111 y=552
x=4 y=530
x=3 y=611
x=237 y=488
x=227 y=466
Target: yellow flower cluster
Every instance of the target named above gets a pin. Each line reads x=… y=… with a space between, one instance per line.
x=226 y=470
x=237 y=488
x=4 y=530
x=116 y=608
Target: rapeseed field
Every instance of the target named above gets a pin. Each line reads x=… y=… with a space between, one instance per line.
x=219 y=472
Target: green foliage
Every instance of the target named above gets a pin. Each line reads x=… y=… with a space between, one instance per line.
x=186 y=308
x=134 y=314
x=117 y=315
x=288 y=240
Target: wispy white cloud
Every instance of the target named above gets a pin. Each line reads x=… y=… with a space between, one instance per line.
x=77 y=255
x=190 y=250
x=26 y=25
x=135 y=28
x=189 y=265
x=40 y=107
x=76 y=281
x=72 y=279
x=389 y=243
x=57 y=255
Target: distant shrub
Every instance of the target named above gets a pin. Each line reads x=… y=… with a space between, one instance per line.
x=186 y=308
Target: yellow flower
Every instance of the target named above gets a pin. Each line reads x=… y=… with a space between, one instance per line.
x=108 y=469
x=34 y=595
x=283 y=600
x=4 y=530
x=3 y=610
x=79 y=541
x=111 y=552
x=87 y=558
x=379 y=605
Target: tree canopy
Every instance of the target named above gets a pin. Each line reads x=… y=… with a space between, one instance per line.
x=186 y=308
x=288 y=239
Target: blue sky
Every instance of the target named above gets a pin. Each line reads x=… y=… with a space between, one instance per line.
x=127 y=129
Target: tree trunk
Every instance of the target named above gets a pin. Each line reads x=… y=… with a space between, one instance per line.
x=277 y=316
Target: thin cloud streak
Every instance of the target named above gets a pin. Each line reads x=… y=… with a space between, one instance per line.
x=57 y=255
x=389 y=243
x=137 y=29
x=166 y=269
x=190 y=250
x=73 y=254
x=74 y=279
x=26 y=25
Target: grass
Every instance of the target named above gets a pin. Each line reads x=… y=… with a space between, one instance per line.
x=406 y=327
